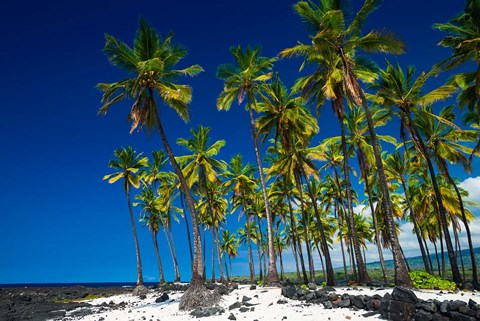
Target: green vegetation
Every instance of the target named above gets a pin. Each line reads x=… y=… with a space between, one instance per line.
x=303 y=200
x=424 y=280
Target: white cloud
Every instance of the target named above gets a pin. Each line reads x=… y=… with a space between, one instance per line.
x=472 y=185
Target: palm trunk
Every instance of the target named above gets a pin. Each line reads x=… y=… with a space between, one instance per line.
x=187 y=226
x=281 y=264
x=173 y=254
x=340 y=235
x=321 y=262
x=365 y=169
x=272 y=276
x=458 y=249
x=135 y=238
x=362 y=268
x=197 y=266
x=305 y=230
x=297 y=245
x=159 y=261
x=231 y=269
x=213 y=258
x=226 y=267
x=457 y=278
x=467 y=230
x=428 y=255
x=323 y=237
x=401 y=274
x=438 y=259
x=249 y=240
x=222 y=276
x=413 y=217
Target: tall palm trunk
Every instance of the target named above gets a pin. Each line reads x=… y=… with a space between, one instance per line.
x=438 y=259
x=249 y=241
x=173 y=254
x=157 y=253
x=134 y=231
x=219 y=257
x=187 y=226
x=213 y=257
x=296 y=242
x=340 y=224
x=467 y=230
x=272 y=276
x=305 y=230
x=457 y=278
x=226 y=267
x=358 y=95
x=197 y=266
x=374 y=217
x=413 y=217
x=362 y=268
x=281 y=263
x=401 y=274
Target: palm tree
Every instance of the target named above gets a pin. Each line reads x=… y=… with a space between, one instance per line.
x=152 y=61
x=244 y=79
x=229 y=245
x=239 y=178
x=394 y=88
x=154 y=175
x=202 y=168
x=464 y=42
x=442 y=139
x=128 y=164
x=398 y=167
x=151 y=218
x=334 y=47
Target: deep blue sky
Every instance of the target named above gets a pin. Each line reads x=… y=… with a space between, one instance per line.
x=59 y=221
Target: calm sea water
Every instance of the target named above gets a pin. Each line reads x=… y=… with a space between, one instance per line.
x=415 y=263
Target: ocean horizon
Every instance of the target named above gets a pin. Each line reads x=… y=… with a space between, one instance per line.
x=415 y=263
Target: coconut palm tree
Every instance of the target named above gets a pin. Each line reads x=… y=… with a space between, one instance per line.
x=402 y=90
x=444 y=142
x=152 y=61
x=151 y=218
x=244 y=79
x=202 y=168
x=229 y=246
x=239 y=178
x=463 y=39
x=333 y=49
x=128 y=163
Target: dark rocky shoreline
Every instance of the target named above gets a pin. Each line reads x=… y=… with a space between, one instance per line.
x=401 y=305
x=39 y=304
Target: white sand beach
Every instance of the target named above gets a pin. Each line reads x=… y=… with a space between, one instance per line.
x=262 y=306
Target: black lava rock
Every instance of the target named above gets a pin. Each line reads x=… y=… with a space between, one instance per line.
x=164 y=297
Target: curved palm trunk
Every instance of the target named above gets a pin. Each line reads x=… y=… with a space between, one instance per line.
x=281 y=264
x=413 y=217
x=358 y=96
x=187 y=225
x=438 y=259
x=197 y=266
x=159 y=261
x=401 y=274
x=249 y=240
x=375 y=227
x=321 y=262
x=173 y=254
x=135 y=238
x=340 y=235
x=362 y=268
x=213 y=257
x=219 y=257
x=457 y=278
x=272 y=276
x=226 y=267
x=250 y=254
x=467 y=230
x=296 y=243
x=305 y=230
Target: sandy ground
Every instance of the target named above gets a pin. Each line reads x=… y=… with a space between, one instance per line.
x=266 y=307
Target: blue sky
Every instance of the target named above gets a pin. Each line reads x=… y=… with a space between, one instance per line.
x=60 y=221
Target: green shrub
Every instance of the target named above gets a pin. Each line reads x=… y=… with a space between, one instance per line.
x=424 y=280
x=304 y=286
x=260 y=282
